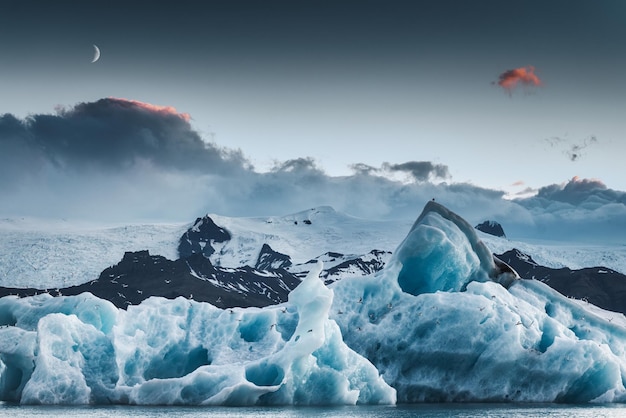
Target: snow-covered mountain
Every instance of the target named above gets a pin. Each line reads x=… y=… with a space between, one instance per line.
x=139 y=276
x=199 y=272
x=333 y=237
x=56 y=254
x=304 y=236
x=242 y=267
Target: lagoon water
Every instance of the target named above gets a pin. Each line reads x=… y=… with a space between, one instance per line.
x=399 y=411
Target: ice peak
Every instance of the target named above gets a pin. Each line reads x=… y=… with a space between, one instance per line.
x=443 y=252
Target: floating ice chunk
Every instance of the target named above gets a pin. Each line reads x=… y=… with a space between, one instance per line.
x=281 y=355
x=27 y=334
x=438 y=329
x=78 y=350
x=17 y=353
x=75 y=364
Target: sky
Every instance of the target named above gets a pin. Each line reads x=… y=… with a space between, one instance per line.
x=247 y=108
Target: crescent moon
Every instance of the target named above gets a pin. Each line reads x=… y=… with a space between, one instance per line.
x=96 y=54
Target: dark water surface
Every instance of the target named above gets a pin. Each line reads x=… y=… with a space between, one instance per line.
x=403 y=411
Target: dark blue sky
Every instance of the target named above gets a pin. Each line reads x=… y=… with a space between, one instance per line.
x=346 y=82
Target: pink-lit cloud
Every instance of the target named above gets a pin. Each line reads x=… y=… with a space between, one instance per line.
x=165 y=110
x=510 y=79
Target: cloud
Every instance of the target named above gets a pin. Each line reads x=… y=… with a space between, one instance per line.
x=109 y=159
x=573 y=150
x=113 y=134
x=124 y=160
x=420 y=170
x=361 y=168
x=118 y=160
x=297 y=165
x=579 y=192
x=510 y=79
x=525 y=192
x=579 y=209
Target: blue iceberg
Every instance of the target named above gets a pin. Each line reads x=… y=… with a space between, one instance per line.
x=83 y=350
x=444 y=321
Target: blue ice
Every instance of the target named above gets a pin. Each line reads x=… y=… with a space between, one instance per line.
x=442 y=322
x=82 y=350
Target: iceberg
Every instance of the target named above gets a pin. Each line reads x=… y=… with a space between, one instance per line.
x=443 y=321
x=83 y=350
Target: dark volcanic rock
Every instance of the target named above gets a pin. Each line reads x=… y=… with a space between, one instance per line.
x=140 y=275
x=370 y=263
x=601 y=286
x=198 y=238
x=271 y=260
x=491 y=228
x=338 y=266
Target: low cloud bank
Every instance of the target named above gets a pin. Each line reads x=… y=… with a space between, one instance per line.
x=117 y=160
x=580 y=209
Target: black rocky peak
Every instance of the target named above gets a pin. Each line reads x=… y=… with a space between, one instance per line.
x=271 y=260
x=491 y=228
x=601 y=286
x=140 y=275
x=198 y=238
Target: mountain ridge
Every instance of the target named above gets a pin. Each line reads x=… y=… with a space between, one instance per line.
x=271 y=275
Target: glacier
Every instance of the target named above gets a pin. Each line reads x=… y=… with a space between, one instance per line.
x=443 y=321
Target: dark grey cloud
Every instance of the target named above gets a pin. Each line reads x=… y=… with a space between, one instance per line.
x=361 y=168
x=110 y=159
x=297 y=165
x=579 y=191
x=421 y=170
x=113 y=134
x=579 y=209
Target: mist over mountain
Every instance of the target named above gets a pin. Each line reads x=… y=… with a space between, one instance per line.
x=118 y=160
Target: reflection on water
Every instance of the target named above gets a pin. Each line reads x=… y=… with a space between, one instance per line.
x=399 y=411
